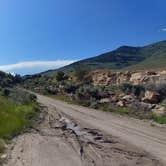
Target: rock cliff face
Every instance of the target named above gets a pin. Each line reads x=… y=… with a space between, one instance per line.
x=107 y=78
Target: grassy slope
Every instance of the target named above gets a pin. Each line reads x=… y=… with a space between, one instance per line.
x=14 y=118
x=157 y=59
x=126 y=57
x=154 y=62
x=151 y=56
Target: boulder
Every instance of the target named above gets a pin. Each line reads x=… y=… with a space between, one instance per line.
x=104 y=100
x=151 y=97
x=4 y=156
x=127 y=100
x=138 y=78
x=120 y=103
x=159 y=110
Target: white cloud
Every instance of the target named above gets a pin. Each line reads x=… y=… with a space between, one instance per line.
x=163 y=29
x=29 y=65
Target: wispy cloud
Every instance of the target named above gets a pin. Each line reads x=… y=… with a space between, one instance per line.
x=35 y=65
x=163 y=29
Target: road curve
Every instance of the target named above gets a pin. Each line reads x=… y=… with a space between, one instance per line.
x=139 y=133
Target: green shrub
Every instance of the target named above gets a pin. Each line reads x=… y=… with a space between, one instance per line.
x=87 y=92
x=161 y=89
x=20 y=96
x=8 y=80
x=2 y=146
x=137 y=90
x=14 y=118
x=113 y=88
x=164 y=102
x=80 y=74
x=106 y=107
x=158 y=118
x=6 y=92
x=123 y=110
x=126 y=88
x=61 y=76
x=93 y=103
x=70 y=87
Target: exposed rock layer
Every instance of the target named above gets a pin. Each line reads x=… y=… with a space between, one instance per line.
x=106 y=78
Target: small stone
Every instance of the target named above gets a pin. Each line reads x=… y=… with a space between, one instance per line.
x=105 y=100
x=4 y=156
x=120 y=103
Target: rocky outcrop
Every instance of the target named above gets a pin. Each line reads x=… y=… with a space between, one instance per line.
x=151 y=97
x=120 y=103
x=148 y=77
x=107 y=78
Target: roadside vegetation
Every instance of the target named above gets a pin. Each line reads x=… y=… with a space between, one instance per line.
x=18 y=110
x=144 y=101
x=14 y=118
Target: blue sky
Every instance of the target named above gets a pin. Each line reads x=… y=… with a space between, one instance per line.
x=37 y=35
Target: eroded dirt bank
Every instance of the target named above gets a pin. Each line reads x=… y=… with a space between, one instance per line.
x=62 y=140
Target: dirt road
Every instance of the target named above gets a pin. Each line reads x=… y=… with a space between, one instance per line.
x=70 y=135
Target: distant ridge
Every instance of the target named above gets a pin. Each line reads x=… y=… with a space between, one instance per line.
x=126 y=57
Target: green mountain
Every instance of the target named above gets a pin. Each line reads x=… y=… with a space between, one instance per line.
x=126 y=57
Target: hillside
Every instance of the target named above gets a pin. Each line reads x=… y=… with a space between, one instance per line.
x=125 y=57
